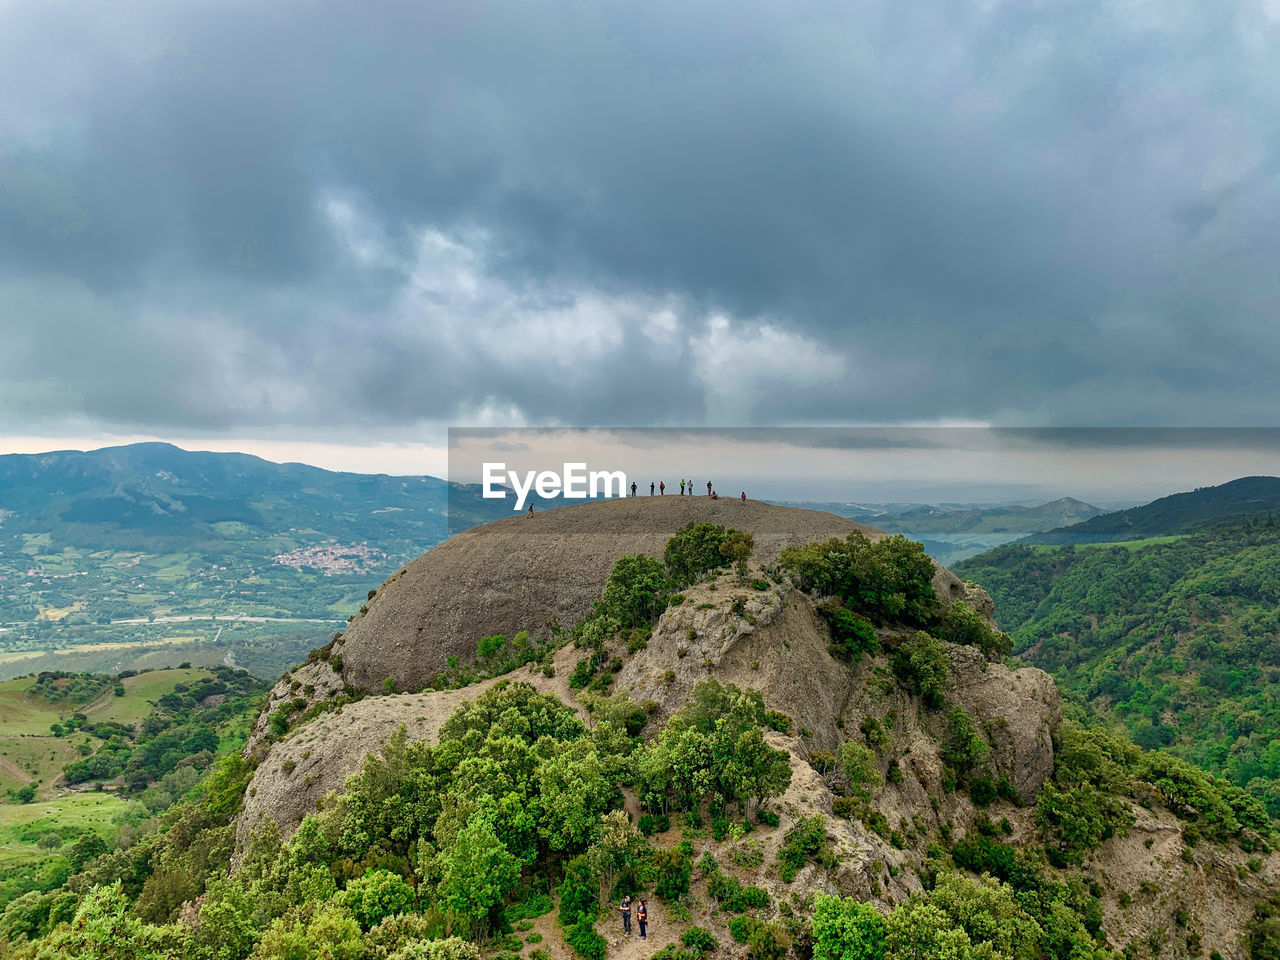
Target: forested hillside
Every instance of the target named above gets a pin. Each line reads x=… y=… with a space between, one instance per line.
x=1179 y=639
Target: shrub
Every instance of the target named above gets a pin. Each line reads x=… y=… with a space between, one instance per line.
x=846 y=808
x=801 y=842
x=740 y=928
x=699 y=940
x=768 y=941
x=731 y=894
x=961 y=624
x=963 y=747
x=584 y=939
x=852 y=635
x=777 y=721
x=651 y=823
x=920 y=665
x=748 y=855
x=534 y=905
x=673 y=869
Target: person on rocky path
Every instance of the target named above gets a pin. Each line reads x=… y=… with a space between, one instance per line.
x=625 y=910
x=708 y=488
x=662 y=488
x=651 y=486
x=642 y=918
x=744 y=496
x=682 y=488
x=633 y=488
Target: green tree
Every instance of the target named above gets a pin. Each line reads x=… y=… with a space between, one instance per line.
x=636 y=591
x=693 y=551
x=989 y=914
x=328 y=934
x=845 y=929
x=377 y=895
x=620 y=856
x=858 y=769
x=918 y=930
x=104 y=928
x=961 y=624
x=475 y=873
x=575 y=793
x=736 y=548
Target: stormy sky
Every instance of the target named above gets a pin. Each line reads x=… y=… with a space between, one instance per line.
x=337 y=224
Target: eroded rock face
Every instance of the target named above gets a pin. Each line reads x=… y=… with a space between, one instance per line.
x=317 y=757
x=311 y=682
x=1018 y=711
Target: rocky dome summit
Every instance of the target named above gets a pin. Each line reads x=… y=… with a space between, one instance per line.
x=525 y=572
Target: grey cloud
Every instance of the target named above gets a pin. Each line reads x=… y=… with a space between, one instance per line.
x=1032 y=214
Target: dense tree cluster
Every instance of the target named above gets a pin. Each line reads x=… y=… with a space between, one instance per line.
x=887 y=582
x=181 y=730
x=713 y=751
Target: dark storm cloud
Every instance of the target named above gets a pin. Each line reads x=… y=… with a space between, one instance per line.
x=352 y=218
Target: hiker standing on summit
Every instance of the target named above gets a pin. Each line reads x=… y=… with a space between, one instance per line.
x=633 y=488
x=708 y=488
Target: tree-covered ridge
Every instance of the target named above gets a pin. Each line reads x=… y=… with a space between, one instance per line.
x=1247 y=497
x=1178 y=640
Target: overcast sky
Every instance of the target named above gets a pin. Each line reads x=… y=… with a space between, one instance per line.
x=310 y=227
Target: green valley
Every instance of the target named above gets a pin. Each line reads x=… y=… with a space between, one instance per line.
x=1177 y=638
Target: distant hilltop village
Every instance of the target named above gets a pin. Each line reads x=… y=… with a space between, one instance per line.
x=333 y=558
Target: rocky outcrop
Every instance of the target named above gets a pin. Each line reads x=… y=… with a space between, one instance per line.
x=1018 y=710
x=307 y=684
x=524 y=573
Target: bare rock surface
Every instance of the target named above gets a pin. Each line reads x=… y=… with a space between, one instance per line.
x=298 y=771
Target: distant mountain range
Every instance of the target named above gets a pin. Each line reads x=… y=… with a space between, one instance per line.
x=146 y=495
x=952 y=532
x=1173 y=514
